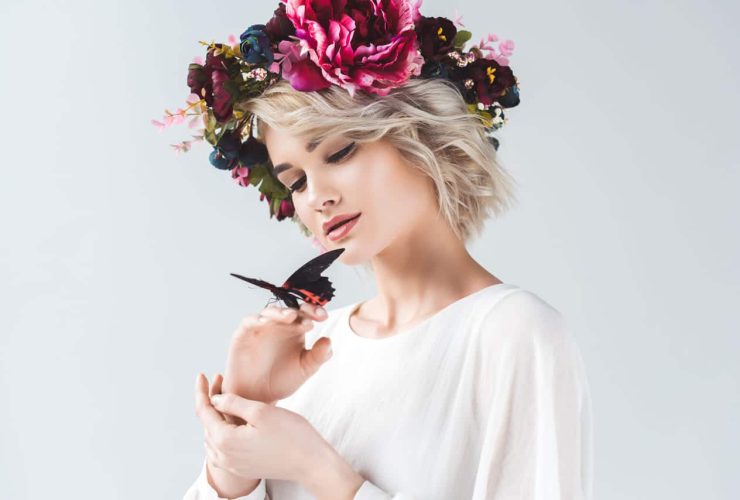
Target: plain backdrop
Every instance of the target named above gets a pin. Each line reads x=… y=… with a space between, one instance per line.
x=115 y=252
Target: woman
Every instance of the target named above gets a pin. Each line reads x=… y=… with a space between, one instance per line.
x=450 y=383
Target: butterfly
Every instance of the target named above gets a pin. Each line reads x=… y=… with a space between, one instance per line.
x=306 y=283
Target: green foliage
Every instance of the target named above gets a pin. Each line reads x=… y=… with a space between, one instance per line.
x=461 y=37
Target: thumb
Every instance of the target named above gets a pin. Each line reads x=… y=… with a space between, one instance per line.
x=319 y=354
x=238 y=406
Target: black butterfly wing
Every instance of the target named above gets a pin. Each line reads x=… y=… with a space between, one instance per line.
x=308 y=282
x=287 y=296
x=260 y=283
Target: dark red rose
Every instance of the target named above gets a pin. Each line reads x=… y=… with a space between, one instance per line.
x=436 y=36
x=279 y=28
x=210 y=81
x=490 y=80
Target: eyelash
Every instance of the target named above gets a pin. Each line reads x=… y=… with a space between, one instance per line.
x=349 y=150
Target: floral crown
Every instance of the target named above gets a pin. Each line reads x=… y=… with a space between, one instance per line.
x=360 y=45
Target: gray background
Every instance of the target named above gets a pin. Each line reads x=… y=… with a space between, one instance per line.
x=116 y=252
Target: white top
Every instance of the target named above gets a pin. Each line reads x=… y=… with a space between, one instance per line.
x=485 y=399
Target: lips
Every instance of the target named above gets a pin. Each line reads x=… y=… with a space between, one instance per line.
x=338 y=220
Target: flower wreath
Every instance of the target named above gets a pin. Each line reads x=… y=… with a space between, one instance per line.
x=360 y=45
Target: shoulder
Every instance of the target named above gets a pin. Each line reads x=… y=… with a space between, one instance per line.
x=523 y=337
x=520 y=319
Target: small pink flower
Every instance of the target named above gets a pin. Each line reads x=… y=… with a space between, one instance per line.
x=501 y=56
x=232 y=40
x=503 y=61
x=506 y=48
x=182 y=147
x=173 y=119
x=197 y=120
x=198 y=60
x=241 y=176
x=458 y=20
x=161 y=126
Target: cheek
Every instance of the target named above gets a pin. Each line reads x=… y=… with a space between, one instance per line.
x=398 y=195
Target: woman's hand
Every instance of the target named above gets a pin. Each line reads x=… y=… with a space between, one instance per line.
x=275 y=443
x=267 y=359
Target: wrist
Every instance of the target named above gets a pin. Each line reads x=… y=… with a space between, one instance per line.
x=227 y=485
x=332 y=478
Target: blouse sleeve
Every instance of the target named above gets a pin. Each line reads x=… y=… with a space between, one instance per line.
x=537 y=440
x=201 y=489
x=370 y=491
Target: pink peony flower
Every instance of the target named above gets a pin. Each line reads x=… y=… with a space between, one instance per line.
x=367 y=45
x=302 y=73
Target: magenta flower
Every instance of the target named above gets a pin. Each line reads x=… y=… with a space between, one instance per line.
x=302 y=73
x=285 y=208
x=241 y=175
x=360 y=45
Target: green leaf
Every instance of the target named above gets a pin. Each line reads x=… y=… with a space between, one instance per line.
x=461 y=37
x=256 y=174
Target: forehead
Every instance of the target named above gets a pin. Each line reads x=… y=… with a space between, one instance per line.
x=284 y=146
x=283 y=143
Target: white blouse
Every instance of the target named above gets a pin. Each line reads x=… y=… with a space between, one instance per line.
x=485 y=399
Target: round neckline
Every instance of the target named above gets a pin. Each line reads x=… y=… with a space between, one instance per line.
x=405 y=333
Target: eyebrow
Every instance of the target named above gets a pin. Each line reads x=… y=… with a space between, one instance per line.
x=285 y=166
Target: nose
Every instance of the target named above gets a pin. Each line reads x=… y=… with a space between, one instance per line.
x=321 y=193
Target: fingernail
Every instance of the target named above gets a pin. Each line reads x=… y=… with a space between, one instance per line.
x=329 y=353
x=320 y=311
x=215 y=400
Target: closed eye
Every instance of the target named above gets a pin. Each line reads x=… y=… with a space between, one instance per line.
x=335 y=158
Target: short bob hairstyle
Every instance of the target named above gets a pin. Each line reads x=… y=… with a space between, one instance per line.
x=427 y=120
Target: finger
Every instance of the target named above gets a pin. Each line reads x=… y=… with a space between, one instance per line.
x=313 y=311
x=206 y=412
x=216 y=389
x=284 y=315
x=249 y=410
x=295 y=318
x=216 y=385
x=312 y=359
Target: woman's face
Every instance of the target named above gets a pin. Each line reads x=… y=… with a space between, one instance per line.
x=341 y=177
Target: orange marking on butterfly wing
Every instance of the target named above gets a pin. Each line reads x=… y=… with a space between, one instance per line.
x=312 y=297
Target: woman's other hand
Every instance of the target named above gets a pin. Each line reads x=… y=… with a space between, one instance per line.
x=275 y=443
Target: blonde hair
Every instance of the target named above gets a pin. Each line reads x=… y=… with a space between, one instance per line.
x=427 y=120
